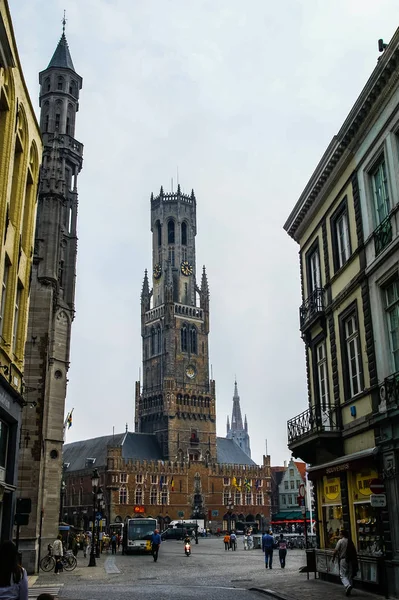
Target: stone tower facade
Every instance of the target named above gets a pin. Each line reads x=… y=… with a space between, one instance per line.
x=51 y=304
x=177 y=399
x=238 y=431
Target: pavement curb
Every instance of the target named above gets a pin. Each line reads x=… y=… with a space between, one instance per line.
x=272 y=593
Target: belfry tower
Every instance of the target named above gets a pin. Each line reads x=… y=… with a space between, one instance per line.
x=177 y=399
x=238 y=432
x=51 y=304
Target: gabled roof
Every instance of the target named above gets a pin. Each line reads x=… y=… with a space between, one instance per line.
x=77 y=453
x=228 y=452
x=141 y=446
x=301 y=466
x=62 y=57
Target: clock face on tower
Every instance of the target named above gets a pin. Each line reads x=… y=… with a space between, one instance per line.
x=191 y=372
x=186 y=268
x=157 y=271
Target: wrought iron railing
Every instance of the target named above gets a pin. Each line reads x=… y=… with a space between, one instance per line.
x=389 y=392
x=315 y=419
x=382 y=235
x=313 y=305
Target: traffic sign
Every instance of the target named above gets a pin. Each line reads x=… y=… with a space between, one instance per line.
x=378 y=500
x=98 y=516
x=377 y=486
x=301 y=490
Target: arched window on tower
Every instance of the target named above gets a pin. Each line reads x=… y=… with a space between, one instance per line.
x=184 y=234
x=159 y=340
x=171 y=231
x=159 y=233
x=193 y=340
x=72 y=88
x=60 y=83
x=47 y=85
x=152 y=342
x=184 y=340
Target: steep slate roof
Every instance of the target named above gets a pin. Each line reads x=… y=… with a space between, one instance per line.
x=139 y=446
x=301 y=466
x=62 y=57
x=229 y=452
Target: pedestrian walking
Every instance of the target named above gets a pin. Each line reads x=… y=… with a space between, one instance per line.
x=233 y=541
x=282 y=550
x=58 y=553
x=226 y=540
x=245 y=541
x=346 y=553
x=155 y=543
x=250 y=541
x=113 y=542
x=13 y=578
x=85 y=543
x=267 y=547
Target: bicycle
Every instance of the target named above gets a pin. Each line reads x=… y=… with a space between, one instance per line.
x=68 y=561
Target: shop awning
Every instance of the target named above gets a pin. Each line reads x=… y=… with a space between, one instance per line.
x=343 y=463
x=287 y=517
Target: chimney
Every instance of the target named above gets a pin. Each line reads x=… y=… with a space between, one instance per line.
x=285 y=464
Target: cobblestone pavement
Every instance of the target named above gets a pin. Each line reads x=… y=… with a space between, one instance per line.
x=209 y=567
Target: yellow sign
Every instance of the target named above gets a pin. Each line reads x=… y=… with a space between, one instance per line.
x=332 y=487
x=363 y=480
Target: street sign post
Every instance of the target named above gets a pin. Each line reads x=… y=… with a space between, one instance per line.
x=378 y=500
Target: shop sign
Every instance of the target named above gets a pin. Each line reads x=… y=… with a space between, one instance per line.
x=363 y=481
x=332 y=487
x=378 y=500
x=139 y=509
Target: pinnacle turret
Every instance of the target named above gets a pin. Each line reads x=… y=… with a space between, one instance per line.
x=145 y=292
x=61 y=58
x=204 y=283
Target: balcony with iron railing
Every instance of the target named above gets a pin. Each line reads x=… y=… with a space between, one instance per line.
x=383 y=235
x=312 y=308
x=389 y=393
x=309 y=427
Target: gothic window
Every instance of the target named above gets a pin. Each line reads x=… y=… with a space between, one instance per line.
x=57 y=121
x=61 y=273
x=138 y=496
x=154 y=496
x=159 y=341
x=171 y=255
x=60 y=83
x=139 y=478
x=171 y=231
x=248 y=498
x=123 y=495
x=193 y=340
x=237 y=499
x=159 y=233
x=72 y=88
x=184 y=336
x=47 y=85
x=259 y=498
x=164 y=497
x=152 y=342
x=226 y=498
x=184 y=234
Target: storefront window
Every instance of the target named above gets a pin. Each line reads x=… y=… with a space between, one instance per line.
x=3 y=446
x=332 y=522
x=368 y=539
x=332 y=510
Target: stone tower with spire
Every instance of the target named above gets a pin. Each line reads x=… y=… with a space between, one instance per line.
x=238 y=431
x=52 y=305
x=176 y=400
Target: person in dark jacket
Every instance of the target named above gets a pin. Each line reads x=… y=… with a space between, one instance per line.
x=282 y=550
x=155 y=543
x=267 y=547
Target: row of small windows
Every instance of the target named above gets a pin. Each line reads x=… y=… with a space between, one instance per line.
x=171 y=233
x=61 y=85
x=155 y=496
x=243 y=499
x=192 y=401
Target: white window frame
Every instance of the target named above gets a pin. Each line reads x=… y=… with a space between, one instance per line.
x=343 y=240
x=392 y=320
x=314 y=270
x=381 y=200
x=17 y=305
x=4 y=295
x=353 y=349
x=322 y=375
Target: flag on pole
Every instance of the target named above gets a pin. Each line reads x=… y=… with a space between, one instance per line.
x=69 y=419
x=172 y=483
x=160 y=482
x=247 y=485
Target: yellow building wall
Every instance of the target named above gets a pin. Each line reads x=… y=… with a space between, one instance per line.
x=20 y=157
x=359 y=442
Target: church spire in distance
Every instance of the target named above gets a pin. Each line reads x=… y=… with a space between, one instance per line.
x=238 y=431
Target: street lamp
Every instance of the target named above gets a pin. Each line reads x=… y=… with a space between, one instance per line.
x=196 y=512
x=230 y=508
x=94 y=485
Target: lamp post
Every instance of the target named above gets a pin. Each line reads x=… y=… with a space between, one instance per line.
x=99 y=497
x=196 y=512
x=230 y=508
x=94 y=485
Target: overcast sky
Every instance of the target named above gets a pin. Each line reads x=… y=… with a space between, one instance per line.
x=241 y=97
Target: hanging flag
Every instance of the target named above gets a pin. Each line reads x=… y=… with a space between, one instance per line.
x=69 y=419
x=160 y=481
x=172 y=483
x=247 y=485
x=257 y=484
x=234 y=482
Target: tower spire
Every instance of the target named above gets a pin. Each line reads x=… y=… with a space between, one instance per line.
x=63 y=24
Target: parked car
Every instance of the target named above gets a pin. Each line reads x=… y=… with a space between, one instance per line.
x=173 y=533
